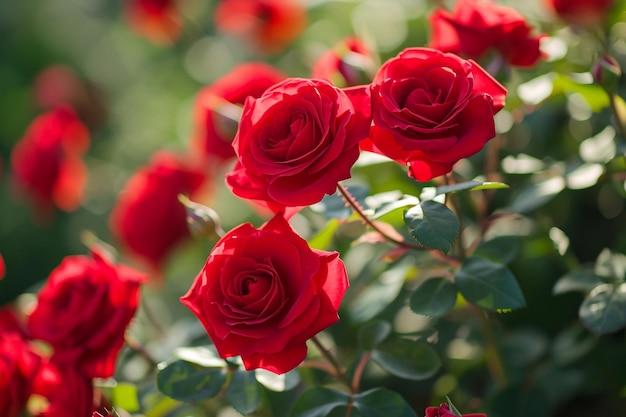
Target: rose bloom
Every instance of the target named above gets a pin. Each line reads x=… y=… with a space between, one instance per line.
x=580 y=12
x=69 y=392
x=268 y=26
x=263 y=293
x=157 y=20
x=148 y=219
x=19 y=367
x=430 y=109
x=2 y=267
x=346 y=65
x=83 y=311
x=475 y=27
x=444 y=411
x=47 y=161
x=218 y=107
x=297 y=141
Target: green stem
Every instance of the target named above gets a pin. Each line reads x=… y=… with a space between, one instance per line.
x=358 y=372
x=618 y=121
x=492 y=353
x=339 y=371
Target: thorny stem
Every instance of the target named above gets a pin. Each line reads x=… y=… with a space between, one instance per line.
x=356 y=207
x=339 y=371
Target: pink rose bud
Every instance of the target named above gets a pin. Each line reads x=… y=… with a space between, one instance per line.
x=606 y=73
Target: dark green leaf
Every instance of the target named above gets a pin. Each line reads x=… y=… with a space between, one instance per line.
x=583 y=280
x=434 y=297
x=320 y=402
x=374 y=333
x=489 y=285
x=185 y=381
x=407 y=359
x=502 y=249
x=243 y=391
x=452 y=408
x=433 y=225
x=380 y=402
x=604 y=309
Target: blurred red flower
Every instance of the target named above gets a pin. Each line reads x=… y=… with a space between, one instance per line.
x=580 y=12
x=444 y=411
x=2 y=268
x=267 y=26
x=47 y=161
x=68 y=391
x=475 y=27
x=218 y=108
x=157 y=20
x=148 y=219
x=83 y=310
x=348 y=64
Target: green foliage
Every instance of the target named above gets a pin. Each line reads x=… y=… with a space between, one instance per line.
x=434 y=297
x=433 y=225
x=408 y=359
x=185 y=381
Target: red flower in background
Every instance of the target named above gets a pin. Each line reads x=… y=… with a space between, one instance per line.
x=148 y=218
x=157 y=20
x=347 y=65
x=263 y=293
x=296 y=141
x=218 y=107
x=69 y=392
x=47 y=161
x=475 y=27
x=580 y=12
x=19 y=368
x=268 y=26
x=83 y=310
x=431 y=109
x=444 y=411
x=2 y=268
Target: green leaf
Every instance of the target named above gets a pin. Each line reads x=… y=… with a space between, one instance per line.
x=489 y=285
x=583 y=280
x=372 y=334
x=278 y=383
x=243 y=391
x=324 y=238
x=604 y=309
x=407 y=359
x=434 y=297
x=405 y=201
x=381 y=402
x=537 y=194
x=452 y=408
x=185 y=381
x=469 y=186
x=334 y=207
x=124 y=396
x=502 y=249
x=433 y=225
x=205 y=356
x=611 y=265
x=320 y=402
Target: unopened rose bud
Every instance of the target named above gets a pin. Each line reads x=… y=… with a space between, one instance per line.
x=606 y=73
x=203 y=221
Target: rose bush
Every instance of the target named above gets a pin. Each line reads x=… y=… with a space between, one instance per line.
x=147 y=218
x=475 y=27
x=263 y=293
x=430 y=109
x=296 y=141
x=81 y=295
x=217 y=108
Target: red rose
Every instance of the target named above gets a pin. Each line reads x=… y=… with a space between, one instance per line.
x=83 y=311
x=297 y=141
x=2 y=268
x=431 y=109
x=148 y=218
x=157 y=20
x=580 y=12
x=444 y=411
x=475 y=27
x=348 y=64
x=47 y=160
x=19 y=366
x=69 y=393
x=263 y=293
x=268 y=26
x=218 y=107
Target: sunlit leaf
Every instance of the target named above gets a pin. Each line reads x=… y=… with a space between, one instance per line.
x=243 y=391
x=324 y=238
x=278 y=383
x=414 y=360
x=205 y=356
x=433 y=225
x=124 y=396
x=583 y=280
x=434 y=297
x=489 y=284
x=334 y=206
x=604 y=309
x=470 y=186
x=537 y=194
